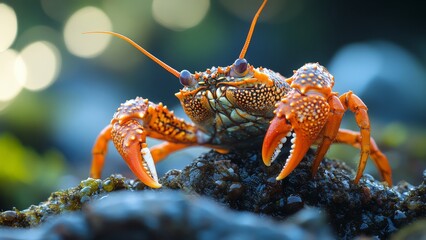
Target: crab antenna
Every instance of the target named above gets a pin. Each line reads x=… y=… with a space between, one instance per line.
x=148 y=54
x=250 y=33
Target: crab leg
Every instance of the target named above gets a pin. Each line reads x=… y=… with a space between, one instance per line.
x=354 y=103
x=99 y=151
x=354 y=139
x=329 y=132
x=132 y=123
x=162 y=150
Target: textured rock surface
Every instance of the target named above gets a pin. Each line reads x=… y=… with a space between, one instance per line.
x=240 y=181
x=172 y=215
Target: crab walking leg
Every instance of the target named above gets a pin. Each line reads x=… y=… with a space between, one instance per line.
x=329 y=132
x=162 y=150
x=99 y=150
x=354 y=139
x=354 y=104
x=132 y=123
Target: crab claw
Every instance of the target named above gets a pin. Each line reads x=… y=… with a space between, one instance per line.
x=129 y=139
x=274 y=140
x=142 y=165
x=299 y=117
x=280 y=131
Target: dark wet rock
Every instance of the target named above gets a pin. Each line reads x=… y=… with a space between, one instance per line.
x=171 y=215
x=368 y=208
x=240 y=180
x=414 y=231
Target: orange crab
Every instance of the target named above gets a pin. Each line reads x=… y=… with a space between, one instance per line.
x=239 y=106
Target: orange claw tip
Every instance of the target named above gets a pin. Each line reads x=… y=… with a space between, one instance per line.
x=279 y=177
x=274 y=139
x=300 y=146
x=283 y=174
x=144 y=177
x=154 y=185
x=142 y=165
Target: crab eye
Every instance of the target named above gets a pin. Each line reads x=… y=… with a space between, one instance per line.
x=186 y=78
x=240 y=66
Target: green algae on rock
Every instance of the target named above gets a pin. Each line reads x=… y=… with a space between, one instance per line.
x=64 y=201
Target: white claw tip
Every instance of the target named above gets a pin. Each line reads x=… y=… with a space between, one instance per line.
x=149 y=163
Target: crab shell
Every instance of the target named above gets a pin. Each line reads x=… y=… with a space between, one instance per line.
x=230 y=109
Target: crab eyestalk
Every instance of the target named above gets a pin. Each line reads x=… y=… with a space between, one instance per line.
x=187 y=79
x=239 y=68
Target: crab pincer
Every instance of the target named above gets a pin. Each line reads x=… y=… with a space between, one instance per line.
x=310 y=114
x=130 y=140
x=295 y=124
x=135 y=120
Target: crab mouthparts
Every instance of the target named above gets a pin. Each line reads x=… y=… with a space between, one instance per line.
x=148 y=163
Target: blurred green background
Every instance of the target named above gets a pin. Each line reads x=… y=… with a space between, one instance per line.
x=59 y=88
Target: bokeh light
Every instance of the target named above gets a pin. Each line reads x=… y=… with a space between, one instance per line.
x=356 y=64
x=42 y=62
x=87 y=19
x=8 y=26
x=57 y=10
x=3 y=105
x=276 y=11
x=180 y=14
x=9 y=84
x=138 y=25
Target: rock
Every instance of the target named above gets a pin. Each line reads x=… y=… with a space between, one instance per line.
x=414 y=231
x=239 y=180
x=171 y=215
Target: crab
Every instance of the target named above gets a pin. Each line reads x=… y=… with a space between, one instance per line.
x=239 y=106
